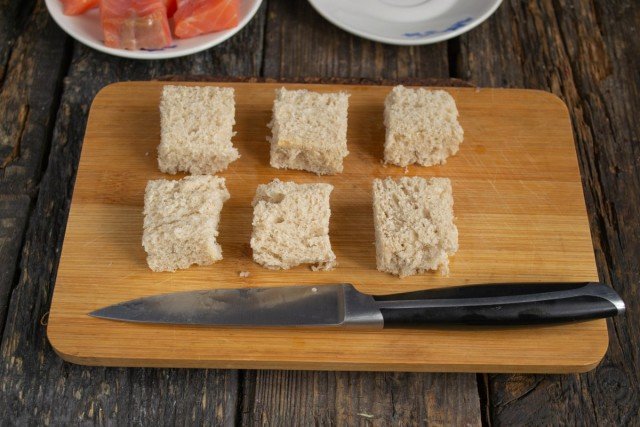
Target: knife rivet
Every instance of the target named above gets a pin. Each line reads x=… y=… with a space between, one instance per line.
x=314 y=289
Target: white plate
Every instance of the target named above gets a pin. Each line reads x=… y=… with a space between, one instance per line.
x=406 y=22
x=86 y=29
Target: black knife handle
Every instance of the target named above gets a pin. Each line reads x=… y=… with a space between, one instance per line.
x=505 y=304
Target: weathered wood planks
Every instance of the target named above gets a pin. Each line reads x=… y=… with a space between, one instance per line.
x=587 y=53
x=584 y=51
x=300 y=43
x=38 y=387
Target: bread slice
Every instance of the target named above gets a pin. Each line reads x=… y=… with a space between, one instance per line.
x=181 y=221
x=413 y=219
x=309 y=131
x=196 y=126
x=421 y=127
x=291 y=225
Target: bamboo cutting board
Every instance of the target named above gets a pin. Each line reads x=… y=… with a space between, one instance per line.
x=518 y=202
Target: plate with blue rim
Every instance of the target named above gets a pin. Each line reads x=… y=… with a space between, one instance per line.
x=406 y=22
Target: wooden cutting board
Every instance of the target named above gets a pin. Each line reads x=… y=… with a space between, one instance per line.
x=518 y=202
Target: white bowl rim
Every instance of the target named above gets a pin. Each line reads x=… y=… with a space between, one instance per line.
x=409 y=42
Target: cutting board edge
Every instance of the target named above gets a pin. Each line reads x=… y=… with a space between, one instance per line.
x=588 y=364
x=520 y=368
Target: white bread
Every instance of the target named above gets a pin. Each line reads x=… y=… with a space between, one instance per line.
x=291 y=225
x=309 y=131
x=181 y=221
x=196 y=126
x=421 y=127
x=414 y=227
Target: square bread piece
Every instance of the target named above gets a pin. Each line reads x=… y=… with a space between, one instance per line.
x=421 y=127
x=309 y=131
x=413 y=219
x=196 y=126
x=291 y=225
x=181 y=221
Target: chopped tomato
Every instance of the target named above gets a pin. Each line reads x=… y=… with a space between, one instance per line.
x=172 y=6
x=135 y=24
x=195 y=17
x=78 y=7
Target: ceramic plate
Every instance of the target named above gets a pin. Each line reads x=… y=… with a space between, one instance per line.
x=406 y=22
x=86 y=29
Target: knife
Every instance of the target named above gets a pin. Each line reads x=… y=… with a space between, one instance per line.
x=343 y=306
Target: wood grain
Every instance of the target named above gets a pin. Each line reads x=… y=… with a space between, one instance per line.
x=587 y=50
x=589 y=57
x=37 y=386
x=300 y=43
x=359 y=398
x=517 y=191
x=13 y=217
x=30 y=85
x=11 y=24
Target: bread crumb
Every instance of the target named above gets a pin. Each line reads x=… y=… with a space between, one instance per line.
x=146 y=153
x=324 y=267
x=244 y=274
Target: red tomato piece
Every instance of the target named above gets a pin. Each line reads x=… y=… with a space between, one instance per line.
x=78 y=7
x=195 y=17
x=135 y=24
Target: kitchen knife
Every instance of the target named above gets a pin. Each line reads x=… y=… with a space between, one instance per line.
x=343 y=306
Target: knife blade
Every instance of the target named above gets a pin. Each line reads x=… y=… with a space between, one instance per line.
x=343 y=306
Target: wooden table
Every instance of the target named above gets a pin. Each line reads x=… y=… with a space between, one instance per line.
x=587 y=52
